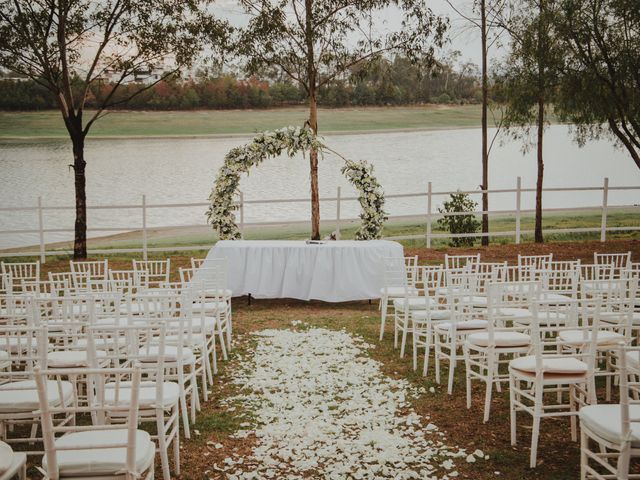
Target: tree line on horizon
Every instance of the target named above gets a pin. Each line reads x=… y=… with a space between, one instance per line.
x=390 y=82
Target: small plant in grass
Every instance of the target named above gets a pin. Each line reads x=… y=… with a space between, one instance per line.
x=457 y=224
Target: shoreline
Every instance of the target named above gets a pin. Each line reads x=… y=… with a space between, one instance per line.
x=381 y=131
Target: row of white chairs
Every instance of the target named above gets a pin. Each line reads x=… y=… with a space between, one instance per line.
x=170 y=333
x=555 y=329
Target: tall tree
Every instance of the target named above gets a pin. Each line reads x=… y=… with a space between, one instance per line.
x=600 y=90
x=486 y=18
x=317 y=41
x=530 y=80
x=69 y=46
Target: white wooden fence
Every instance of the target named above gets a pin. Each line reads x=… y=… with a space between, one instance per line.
x=430 y=215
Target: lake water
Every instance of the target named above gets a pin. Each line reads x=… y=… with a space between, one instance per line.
x=183 y=170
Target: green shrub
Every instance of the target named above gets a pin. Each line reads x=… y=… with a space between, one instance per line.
x=459 y=202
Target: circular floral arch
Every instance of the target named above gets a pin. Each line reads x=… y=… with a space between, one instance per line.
x=221 y=212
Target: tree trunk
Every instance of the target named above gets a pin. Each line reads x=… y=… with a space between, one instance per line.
x=485 y=144
x=79 y=165
x=313 y=119
x=540 y=122
x=313 y=161
x=538 y=228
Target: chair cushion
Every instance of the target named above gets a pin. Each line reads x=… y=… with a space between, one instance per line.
x=477 y=301
x=501 y=339
x=565 y=366
x=70 y=358
x=516 y=313
x=579 y=337
x=556 y=297
x=210 y=306
x=605 y=421
x=475 y=324
x=170 y=354
x=4 y=356
x=22 y=396
x=614 y=318
x=399 y=291
x=435 y=314
x=413 y=302
x=101 y=461
x=633 y=359
x=6 y=457
x=147 y=395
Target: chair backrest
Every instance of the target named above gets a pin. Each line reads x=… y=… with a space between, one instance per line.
x=431 y=277
x=463 y=281
x=618 y=260
x=502 y=297
x=395 y=274
x=498 y=268
x=530 y=265
x=456 y=262
x=61 y=282
x=196 y=262
x=95 y=269
x=26 y=347
x=154 y=273
x=19 y=271
x=559 y=280
x=6 y=283
x=99 y=382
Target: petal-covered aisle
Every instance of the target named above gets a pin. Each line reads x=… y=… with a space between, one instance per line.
x=323 y=409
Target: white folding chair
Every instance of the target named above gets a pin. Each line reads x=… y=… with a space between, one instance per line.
x=615 y=429
x=97 y=450
x=504 y=338
x=463 y=321
x=144 y=345
x=94 y=270
x=26 y=348
x=398 y=274
x=554 y=369
x=530 y=265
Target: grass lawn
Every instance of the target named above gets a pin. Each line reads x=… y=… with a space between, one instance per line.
x=558 y=456
x=229 y=122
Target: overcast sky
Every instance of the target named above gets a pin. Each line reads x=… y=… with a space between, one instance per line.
x=461 y=38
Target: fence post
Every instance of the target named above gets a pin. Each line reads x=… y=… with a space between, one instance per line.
x=605 y=201
x=241 y=215
x=518 y=207
x=429 y=215
x=43 y=257
x=144 y=227
x=338 y=215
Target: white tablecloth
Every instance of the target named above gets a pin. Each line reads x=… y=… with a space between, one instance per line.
x=336 y=271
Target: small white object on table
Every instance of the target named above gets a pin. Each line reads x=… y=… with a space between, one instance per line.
x=332 y=271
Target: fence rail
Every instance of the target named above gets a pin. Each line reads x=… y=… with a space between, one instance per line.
x=430 y=215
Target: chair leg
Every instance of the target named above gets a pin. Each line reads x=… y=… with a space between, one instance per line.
x=622 y=469
x=452 y=365
x=489 y=388
x=405 y=328
x=512 y=409
x=584 y=445
x=467 y=368
x=415 y=348
x=572 y=409
x=383 y=315
x=427 y=351
x=175 y=414
x=537 y=412
x=162 y=445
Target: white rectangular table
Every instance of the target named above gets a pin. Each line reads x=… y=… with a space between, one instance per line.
x=336 y=271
